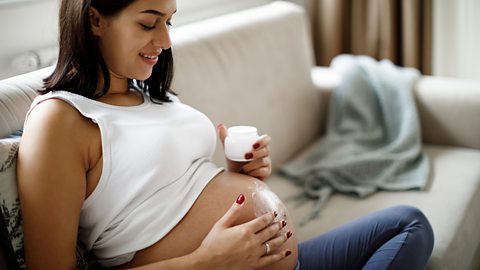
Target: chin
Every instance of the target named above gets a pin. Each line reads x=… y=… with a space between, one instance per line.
x=142 y=77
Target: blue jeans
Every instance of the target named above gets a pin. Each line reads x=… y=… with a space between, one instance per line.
x=399 y=237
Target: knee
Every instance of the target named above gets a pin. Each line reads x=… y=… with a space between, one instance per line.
x=417 y=221
x=411 y=213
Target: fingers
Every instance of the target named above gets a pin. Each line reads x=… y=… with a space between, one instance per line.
x=222 y=133
x=273 y=258
x=274 y=244
x=278 y=241
x=271 y=231
x=260 y=148
x=260 y=168
x=263 y=141
x=232 y=214
x=261 y=222
x=258 y=153
x=261 y=165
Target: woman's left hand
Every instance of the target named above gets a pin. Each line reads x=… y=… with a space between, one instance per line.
x=261 y=165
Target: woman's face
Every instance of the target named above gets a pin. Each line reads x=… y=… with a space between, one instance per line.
x=131 y=41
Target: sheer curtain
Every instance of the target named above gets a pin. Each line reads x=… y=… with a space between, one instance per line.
x=456 y=38
x=400 y=30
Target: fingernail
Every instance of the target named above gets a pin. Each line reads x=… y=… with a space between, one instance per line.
x=275 y=213
x=256 y=145
x=287 y=253
x=240 y=199
x=284 y=223
x=289 y=234
x=248 y=156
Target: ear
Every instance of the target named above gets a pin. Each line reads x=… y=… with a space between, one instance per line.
x=95 y=21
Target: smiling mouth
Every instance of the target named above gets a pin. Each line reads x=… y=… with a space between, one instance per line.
x=151 y=57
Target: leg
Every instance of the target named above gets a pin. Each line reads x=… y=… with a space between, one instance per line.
x=395 y=238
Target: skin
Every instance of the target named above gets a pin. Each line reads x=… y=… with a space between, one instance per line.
x=60 y=163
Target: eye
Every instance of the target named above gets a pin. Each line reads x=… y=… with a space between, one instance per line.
x=169 y=24
x=147 y=27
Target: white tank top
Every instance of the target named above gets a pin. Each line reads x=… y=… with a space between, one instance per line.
x=156 y=162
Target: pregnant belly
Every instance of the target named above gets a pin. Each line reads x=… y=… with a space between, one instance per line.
x=210 y=206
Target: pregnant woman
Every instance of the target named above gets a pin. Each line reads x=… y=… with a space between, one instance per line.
x=111 y=157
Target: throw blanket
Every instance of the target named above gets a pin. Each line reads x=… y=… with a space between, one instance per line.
x=373 y=138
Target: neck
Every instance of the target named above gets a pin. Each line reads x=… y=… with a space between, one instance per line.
x=118 y=84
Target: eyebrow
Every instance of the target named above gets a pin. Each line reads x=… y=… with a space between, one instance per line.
x=156 y=12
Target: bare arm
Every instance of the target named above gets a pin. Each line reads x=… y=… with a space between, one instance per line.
x=51 y=181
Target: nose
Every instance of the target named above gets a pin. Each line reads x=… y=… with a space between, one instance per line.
x=162 y=38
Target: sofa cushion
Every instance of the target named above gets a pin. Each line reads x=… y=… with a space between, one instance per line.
x=252 y=68
x=451 y=202
x=11 y=224
x=16 y=95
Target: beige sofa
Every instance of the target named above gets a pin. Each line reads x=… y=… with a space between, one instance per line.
x=255 y=67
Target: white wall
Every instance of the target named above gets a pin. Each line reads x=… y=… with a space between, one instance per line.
x=32 y=25
x=24 y=26
x=192 y=10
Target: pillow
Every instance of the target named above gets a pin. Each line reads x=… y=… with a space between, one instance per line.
x=11 y=223
x=11 y=233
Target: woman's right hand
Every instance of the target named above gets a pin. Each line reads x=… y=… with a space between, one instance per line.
x=243 y=247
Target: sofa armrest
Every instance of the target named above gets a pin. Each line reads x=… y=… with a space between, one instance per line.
x=449 y=110
x=16 y=95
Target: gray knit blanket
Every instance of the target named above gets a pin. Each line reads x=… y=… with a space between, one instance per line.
x=373 y=139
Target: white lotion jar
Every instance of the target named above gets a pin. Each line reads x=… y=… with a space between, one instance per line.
x=239 y=141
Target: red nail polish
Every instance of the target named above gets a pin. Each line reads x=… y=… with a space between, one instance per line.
x=256 y=145
x=240 y=199
x=287 y=253
x=289 y=234
x=248 y=156
x=284 y=223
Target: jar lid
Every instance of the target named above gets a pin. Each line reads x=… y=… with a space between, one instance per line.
x=241 y=130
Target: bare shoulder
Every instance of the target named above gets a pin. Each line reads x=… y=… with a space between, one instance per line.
x=56 y=122
x=58 y=137
x=54 y=137
x=54 y=113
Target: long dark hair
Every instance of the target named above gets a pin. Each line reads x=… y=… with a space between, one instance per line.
x=80 y=61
